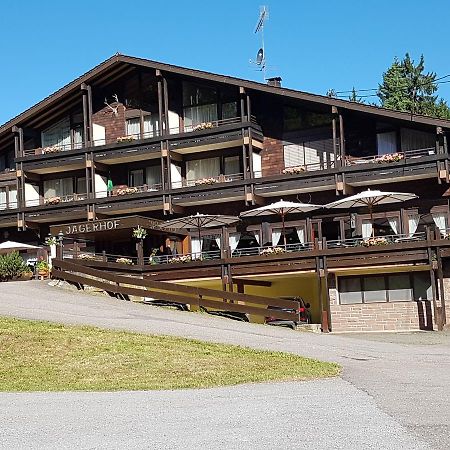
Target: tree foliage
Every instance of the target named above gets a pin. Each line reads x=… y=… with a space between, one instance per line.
x=12 y=266
x=407 y=87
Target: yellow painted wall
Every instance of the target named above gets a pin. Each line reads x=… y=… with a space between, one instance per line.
x=286 y=285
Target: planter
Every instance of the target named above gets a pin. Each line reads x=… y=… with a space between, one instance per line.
x=205 y=181
x=126 y=139
x=294 y=170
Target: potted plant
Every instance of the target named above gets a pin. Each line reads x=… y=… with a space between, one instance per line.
x=139 y=232
x=42 y=268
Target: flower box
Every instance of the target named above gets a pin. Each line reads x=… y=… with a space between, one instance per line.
x=203 y=126
x=392 y=157
x=375 y=241
x=52 y=200
x=126 y=139
x=273 y=251
x=127 y=191
x=294 y=170
x=126 y=261
x=50 y=149
x=180 y=259
x=205 y=181
x=86 y=257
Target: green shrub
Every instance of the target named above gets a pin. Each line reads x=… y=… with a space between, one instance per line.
x=42 y=265
x=12 y=266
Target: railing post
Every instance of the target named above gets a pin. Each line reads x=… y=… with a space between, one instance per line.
x=105 y=259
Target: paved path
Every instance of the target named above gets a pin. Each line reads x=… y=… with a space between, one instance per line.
x=394 y=391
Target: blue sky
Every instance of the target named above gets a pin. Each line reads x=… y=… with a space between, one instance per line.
x=314 y=46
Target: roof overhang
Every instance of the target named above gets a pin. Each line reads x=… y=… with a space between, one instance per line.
x=119 y=64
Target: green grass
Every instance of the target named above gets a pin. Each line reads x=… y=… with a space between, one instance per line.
x=40 y=356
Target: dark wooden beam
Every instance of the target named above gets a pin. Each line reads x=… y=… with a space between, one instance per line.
x=248 y=282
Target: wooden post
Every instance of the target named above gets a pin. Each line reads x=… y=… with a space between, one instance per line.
x=442 y=312
x=84 y=93
x=335 y=145
x=140 y=252
x=342 y=138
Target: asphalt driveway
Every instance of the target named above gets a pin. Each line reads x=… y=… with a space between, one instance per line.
x=394 y=390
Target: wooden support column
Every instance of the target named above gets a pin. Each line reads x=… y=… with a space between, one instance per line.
x=166 y=106
x=86 y=125
x=342 y=138
x=334 y=113
x=442 y=317
x=160 y=101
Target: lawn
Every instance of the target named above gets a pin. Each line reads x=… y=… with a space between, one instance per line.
x=40 y=356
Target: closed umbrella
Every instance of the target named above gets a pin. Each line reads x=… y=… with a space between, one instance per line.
x=280 y=208
x=370 y=199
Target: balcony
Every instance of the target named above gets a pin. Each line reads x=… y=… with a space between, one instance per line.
x=406 y=250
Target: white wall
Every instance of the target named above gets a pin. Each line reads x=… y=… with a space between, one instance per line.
x=101 y=184
x=31 y=194
x=98 y=134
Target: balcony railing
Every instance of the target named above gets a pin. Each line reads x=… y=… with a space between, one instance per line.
x=208 y=181
x=124 y=190
x=128 y=138
x=390 y=157
x=272 y=249
x=376 y=240
x=10 y=205
x=311 y=167
x=56 y=200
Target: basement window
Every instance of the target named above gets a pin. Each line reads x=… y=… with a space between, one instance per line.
x=398 y=287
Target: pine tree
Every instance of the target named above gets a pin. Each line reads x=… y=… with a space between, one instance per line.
x=406 y=87
x=353 y=97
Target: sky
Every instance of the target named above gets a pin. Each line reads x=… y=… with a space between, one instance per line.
x=313 y=45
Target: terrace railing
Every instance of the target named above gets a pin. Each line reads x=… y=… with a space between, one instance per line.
x=390 y=157
x=208 y=181
x=128 y=138
x=376 y=240
x=124 y=190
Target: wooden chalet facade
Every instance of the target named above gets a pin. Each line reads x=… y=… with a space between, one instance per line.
x=136 y=142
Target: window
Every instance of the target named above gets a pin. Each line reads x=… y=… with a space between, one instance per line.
x=232 y=165
x=229 y=110
x=153 y=177
x=387 y=143
x=3 y=204
x=398 y=287
x=58 y=188
x=350 y=290
x=198 y=169
x=313 y=154
x=151 y=126
x=12 y=198
x=200 y=105
x=57 y=135
x=374 y=289
x=134 y=127
x=136 y=177
x=81 y=185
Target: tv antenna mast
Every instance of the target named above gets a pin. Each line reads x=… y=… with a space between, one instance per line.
x=261 y=55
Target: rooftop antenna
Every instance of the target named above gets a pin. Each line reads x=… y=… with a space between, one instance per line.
x=261 y=55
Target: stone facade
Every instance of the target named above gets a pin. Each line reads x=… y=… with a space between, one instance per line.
x=394 y=316
x=114 y=124
x=272 y=157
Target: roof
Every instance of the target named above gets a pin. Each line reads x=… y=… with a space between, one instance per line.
x=251 y=85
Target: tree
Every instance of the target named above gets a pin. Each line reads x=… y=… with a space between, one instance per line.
x=353 y=97
x=406 y=87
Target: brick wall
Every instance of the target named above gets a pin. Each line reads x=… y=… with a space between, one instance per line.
x=114 y=124
x=395 y=316
x=272 y=156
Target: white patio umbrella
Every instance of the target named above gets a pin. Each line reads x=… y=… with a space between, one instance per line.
x=370 y=199
x=280 y=208
x=9 y=246
x=199 y=221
